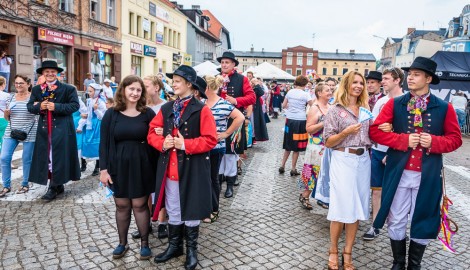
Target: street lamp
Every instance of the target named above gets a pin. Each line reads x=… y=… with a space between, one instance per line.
x=384 y=39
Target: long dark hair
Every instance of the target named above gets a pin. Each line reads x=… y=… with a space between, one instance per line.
x=120 y=98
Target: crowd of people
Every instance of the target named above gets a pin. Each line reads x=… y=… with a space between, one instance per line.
x=165 y=151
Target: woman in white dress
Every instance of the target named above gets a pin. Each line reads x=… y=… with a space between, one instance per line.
x=350 y=165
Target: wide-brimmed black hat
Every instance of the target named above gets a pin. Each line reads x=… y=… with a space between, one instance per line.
x=202 y=87
x=228 y=55
x=186 y=72
x=374 y=75
x=427 y=65
x=49 y=64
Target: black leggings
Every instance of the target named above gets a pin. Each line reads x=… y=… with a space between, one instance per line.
x=141 y=215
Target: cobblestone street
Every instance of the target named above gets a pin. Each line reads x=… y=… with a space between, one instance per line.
x=261 y=227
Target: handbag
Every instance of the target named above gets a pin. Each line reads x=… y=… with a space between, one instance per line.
x=448 y=227
x=19 y=134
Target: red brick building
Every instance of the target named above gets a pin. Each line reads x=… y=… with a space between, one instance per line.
x=297 y=60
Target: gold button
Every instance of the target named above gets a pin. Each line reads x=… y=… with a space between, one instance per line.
x=418 y=167
x=173 y=164
x=172 y=177
x=413 y=156
x=411 y=165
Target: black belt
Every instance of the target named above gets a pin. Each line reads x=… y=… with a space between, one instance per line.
x=358 y=151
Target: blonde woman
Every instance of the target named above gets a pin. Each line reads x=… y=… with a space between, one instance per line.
x=222 y=111
x=350 y=165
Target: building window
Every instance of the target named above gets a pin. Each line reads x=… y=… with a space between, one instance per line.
x=335 y=71
x=366 y=72
x=453 y=47
x=300 y=54
x=309 y=60
x=95 y=12
x=289 y=70
x=146 y=27
x=299 y=60
x=139 y=26
x=179 y=41
x=298 y=72
x=112 y=12
x=136 y=65
x=131 y=23
x=289 y=60
x=290 y=54
x=461 y=48
x=324 y=71
x=66 y=5
x=345 y=70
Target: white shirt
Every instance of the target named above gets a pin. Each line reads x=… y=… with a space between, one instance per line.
x=4 y=66
x=4 y=97
x=297 y=100
x=107 y=91
x=459 y=102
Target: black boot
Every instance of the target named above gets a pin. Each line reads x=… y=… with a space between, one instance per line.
x=175 y=244
x=136 y=234
x=415 y=255
x=96 y=171
x=162 y=231
x=229 y=190
x=192 y=233
x=83 y=167
x=51 y=194
x=399 y=254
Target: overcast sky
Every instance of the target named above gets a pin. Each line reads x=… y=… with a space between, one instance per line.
x=337 y=24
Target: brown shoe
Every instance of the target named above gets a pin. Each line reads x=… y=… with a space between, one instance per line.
x=333 y=265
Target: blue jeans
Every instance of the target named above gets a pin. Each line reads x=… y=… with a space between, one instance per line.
x=461 y=115
x=8 y=148
x=6 y=75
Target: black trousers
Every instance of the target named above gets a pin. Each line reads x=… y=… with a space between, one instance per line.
x=215 y=158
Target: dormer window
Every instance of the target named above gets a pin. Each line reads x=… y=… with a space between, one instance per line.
x=198 y=19
x=451 y=31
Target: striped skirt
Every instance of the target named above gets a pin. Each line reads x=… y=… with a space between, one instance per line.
x=295 y=135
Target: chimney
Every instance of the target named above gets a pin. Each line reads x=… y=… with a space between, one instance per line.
x=410 y=30
x=352 y=51
x=180 y=6
x=336 y=51
x=198 y=7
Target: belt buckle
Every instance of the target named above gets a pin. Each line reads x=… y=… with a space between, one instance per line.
x=359 y=151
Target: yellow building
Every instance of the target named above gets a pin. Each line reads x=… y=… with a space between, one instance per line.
x=153 y=37
x=334 y=65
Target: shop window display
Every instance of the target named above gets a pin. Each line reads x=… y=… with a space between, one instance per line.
x=101 y=66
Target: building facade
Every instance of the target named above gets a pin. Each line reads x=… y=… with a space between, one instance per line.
x=400 y=52
x=336 y=64
x=458 y=33
x=219 y=31
x=153 y=37
x=254 y=58
x=201 y=43
x=82 y=36
x=299 y=60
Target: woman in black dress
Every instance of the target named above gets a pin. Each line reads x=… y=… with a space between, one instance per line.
x=128 y=162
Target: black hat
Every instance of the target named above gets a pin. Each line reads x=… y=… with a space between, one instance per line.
x=49 y=64
x=374 y=75
x=228 y=55
x=427 y=65
x=202 y=87
x=187 y=72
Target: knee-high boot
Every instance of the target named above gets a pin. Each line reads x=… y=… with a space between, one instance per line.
x=415 y=255
x=192 y=234
x=399 y=254
x=175 y=244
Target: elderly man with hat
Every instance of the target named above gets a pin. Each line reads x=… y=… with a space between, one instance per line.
x=183 y=169
x=424 y=127
x=55 y=155
x=374 y=82
x=237 y=90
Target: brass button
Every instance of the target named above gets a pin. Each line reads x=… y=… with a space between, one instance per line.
x=411 y=165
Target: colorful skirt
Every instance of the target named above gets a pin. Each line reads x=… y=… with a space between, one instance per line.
x=295 y=136
x=312 y=162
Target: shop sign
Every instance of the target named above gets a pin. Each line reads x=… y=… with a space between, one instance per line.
x=101 y=57
x=177 y=58
x=55 y=36
x=153 y=9
x=102 y=47
x=146 y=25
x=136 y=48
x=163 y=14
x=150 y=51
x=187 y=60
x=159 y=39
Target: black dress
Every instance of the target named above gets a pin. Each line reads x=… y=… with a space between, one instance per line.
x=131 y=162
x=259 y=125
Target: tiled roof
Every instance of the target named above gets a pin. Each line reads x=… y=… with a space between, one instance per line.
x=258 y=54
x=168 y=3
x=215 y=25
x=346 y=56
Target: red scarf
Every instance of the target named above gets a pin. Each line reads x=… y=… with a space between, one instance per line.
x=223 y=89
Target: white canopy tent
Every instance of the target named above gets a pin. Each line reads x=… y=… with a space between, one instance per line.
x=268 y=71
x=206 y=68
